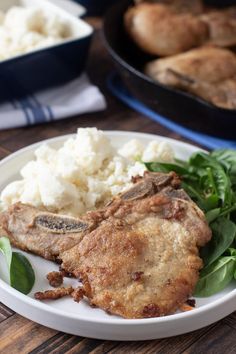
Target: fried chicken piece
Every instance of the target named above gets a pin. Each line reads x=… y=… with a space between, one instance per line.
x=159 y=30
x=142 y=257
x=222 y=26
x=207 y=72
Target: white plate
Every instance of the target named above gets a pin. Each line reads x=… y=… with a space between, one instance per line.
x=79 y=319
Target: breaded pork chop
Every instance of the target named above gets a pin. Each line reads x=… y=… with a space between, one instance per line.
x=48 y=235
x=144 y=260
x=222 y=26
x=158 y=30
x=141 y=259
x=208 y=72
x=40 y=232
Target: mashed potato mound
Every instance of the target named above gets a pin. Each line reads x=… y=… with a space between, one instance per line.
x=83 y=174
x=25 y=29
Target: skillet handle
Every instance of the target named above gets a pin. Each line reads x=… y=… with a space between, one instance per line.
x=70 y=6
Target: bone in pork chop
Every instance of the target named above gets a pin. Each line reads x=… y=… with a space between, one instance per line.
x=140 y=258
x=159 y=30
x=208 y=72
x=42 y=233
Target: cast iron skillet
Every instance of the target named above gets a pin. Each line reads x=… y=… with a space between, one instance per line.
x=179 y=106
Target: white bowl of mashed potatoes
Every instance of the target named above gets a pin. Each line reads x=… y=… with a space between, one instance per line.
x=41 y=45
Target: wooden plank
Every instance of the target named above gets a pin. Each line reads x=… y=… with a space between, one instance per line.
x=19 y=335
x=83 y=347
x=105 y=347
x=8 y=135
x=231 y=320
x=173 y=345
x=5 y=312
x=3 y=152
x=59 y=343
x=220 y=339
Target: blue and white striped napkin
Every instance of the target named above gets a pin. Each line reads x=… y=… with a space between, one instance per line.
x=76 y=97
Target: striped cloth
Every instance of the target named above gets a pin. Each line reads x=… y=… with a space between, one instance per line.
x=76 y=97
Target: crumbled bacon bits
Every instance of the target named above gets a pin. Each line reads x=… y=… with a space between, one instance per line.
x=188 y=306
x=151 y=310
x=55 y=279
x=191 y=302
x=53 y=294
x=65 y=274
x=78 y=294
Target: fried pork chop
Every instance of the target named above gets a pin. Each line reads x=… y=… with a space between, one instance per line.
x=139 y=256
x=160 y=30
x=208 y=72
x=169 y=27
x=222 y=26
x=42 y=233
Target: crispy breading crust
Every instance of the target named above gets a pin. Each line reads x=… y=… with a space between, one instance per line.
x=53 y=294
x=78 y=294
x=55 y=279
x=158 y=30
x=143 y=261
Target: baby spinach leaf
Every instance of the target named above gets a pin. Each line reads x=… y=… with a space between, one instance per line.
x=232 y=252
x=165 y=167
x=195 y=194
x=211 y=215
x=228 y=210
x=211 y=202
x=227 y=157
x=5 y=248
x=22 y=275
x=216 y=276
x=218 y=176
x=224 y=232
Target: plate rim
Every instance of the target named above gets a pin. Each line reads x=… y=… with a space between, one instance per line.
x=111 y=321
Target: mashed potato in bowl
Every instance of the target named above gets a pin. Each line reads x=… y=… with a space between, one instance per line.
x=83 y=174
x=25 y=29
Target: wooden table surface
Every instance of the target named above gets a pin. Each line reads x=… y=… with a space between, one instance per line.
x=19 y=335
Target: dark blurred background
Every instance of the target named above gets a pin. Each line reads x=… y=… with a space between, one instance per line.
x=98 y=7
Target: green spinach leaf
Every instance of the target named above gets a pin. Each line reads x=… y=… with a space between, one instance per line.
x=216 y=276
x=22 y=275
x=231 y=252
x=5 y=248
x=165 y=167
x=224 y=232
x=213 y=214
x=227 y=157
x=217 y=180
